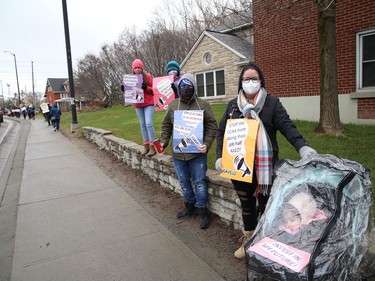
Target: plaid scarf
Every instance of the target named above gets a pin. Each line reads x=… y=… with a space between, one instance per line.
x=263 y=148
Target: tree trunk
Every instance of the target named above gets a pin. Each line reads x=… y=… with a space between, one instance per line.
x=329 y=121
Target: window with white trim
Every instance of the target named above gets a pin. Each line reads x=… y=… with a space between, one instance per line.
x=211 y=84
x=366 y=59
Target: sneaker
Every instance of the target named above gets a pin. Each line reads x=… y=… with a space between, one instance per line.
x=54 y=130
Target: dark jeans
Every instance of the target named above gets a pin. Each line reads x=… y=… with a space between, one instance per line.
x=56 y=124
x=194 y=171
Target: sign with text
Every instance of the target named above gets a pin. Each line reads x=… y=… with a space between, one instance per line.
x=239 y=149
x=187 y=131
x=44 y=107
x=133 y=92
x=163 y=93
x=281 y=253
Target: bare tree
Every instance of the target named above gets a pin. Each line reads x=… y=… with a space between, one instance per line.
x=89 y=82
x=165 y=38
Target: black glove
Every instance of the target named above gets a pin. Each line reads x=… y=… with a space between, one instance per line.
x=122 y=88
x=144 y=86
x=173 y=86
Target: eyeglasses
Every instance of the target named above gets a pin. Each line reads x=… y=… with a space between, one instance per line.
x=248 y=79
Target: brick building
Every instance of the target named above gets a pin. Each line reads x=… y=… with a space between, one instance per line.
x=56 y=88
x=286 y=47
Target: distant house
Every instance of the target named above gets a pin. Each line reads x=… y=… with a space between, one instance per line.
x=56 y=89
x=286 y=45
x=217 y=58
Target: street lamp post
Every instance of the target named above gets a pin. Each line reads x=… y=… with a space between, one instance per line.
x=18 y=85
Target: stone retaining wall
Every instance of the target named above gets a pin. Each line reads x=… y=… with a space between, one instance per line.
x=223 y=199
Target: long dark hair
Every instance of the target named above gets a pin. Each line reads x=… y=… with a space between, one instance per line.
x=257 y=69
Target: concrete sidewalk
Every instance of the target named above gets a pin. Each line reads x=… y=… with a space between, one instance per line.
x=75 y=223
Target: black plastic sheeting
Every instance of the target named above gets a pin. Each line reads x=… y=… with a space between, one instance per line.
x=316 y=225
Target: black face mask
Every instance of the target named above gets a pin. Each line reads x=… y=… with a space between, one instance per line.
x=186 y=93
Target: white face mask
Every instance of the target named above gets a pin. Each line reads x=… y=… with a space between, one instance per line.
x=251 y=87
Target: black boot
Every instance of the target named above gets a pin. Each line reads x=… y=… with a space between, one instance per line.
x=187 y=211
x=204 y=219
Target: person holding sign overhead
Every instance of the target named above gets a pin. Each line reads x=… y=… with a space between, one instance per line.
x=268 y=116
x=145 y=110
x=191 y=124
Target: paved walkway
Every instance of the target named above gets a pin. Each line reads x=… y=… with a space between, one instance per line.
x=75 y=223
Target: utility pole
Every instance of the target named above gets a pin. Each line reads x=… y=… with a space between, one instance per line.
x=74 y=124
x=32 y=77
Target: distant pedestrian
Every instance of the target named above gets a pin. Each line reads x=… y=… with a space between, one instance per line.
x=24 y=112
x=55 y=117
x=31 y=111
x=47 y=115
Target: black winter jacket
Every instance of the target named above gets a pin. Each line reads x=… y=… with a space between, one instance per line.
x=274 y=118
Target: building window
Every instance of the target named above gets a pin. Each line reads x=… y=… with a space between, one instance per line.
x=207 y=58
x=366 y=59
x=211 y=84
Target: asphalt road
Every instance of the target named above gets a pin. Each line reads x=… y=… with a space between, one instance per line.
x=13 y=136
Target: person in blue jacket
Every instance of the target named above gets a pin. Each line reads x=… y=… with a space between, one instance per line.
x=55 y=117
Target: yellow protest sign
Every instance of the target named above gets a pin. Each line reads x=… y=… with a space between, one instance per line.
x=239 y=149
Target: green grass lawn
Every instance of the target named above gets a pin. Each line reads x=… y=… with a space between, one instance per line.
x=357 y=143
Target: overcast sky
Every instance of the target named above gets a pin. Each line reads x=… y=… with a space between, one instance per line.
x=34 y=31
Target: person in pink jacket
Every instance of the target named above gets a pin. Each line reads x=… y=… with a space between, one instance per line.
x=145 y=110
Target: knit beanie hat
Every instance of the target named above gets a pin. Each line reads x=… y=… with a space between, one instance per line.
x=173 y=65
x=137 y=63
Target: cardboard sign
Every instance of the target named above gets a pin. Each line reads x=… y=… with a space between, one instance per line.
x=187 y=131
x=133 y=92
x=239 y=149
x=44 y=107
x=281 y=253
x=163 y=93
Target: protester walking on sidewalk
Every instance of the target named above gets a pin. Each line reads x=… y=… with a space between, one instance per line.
x=24 y=112
x=255 y=103
x=145 y=110
x=31 y=111
x=191 y=167
x=47 y=115
x=55 y=117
